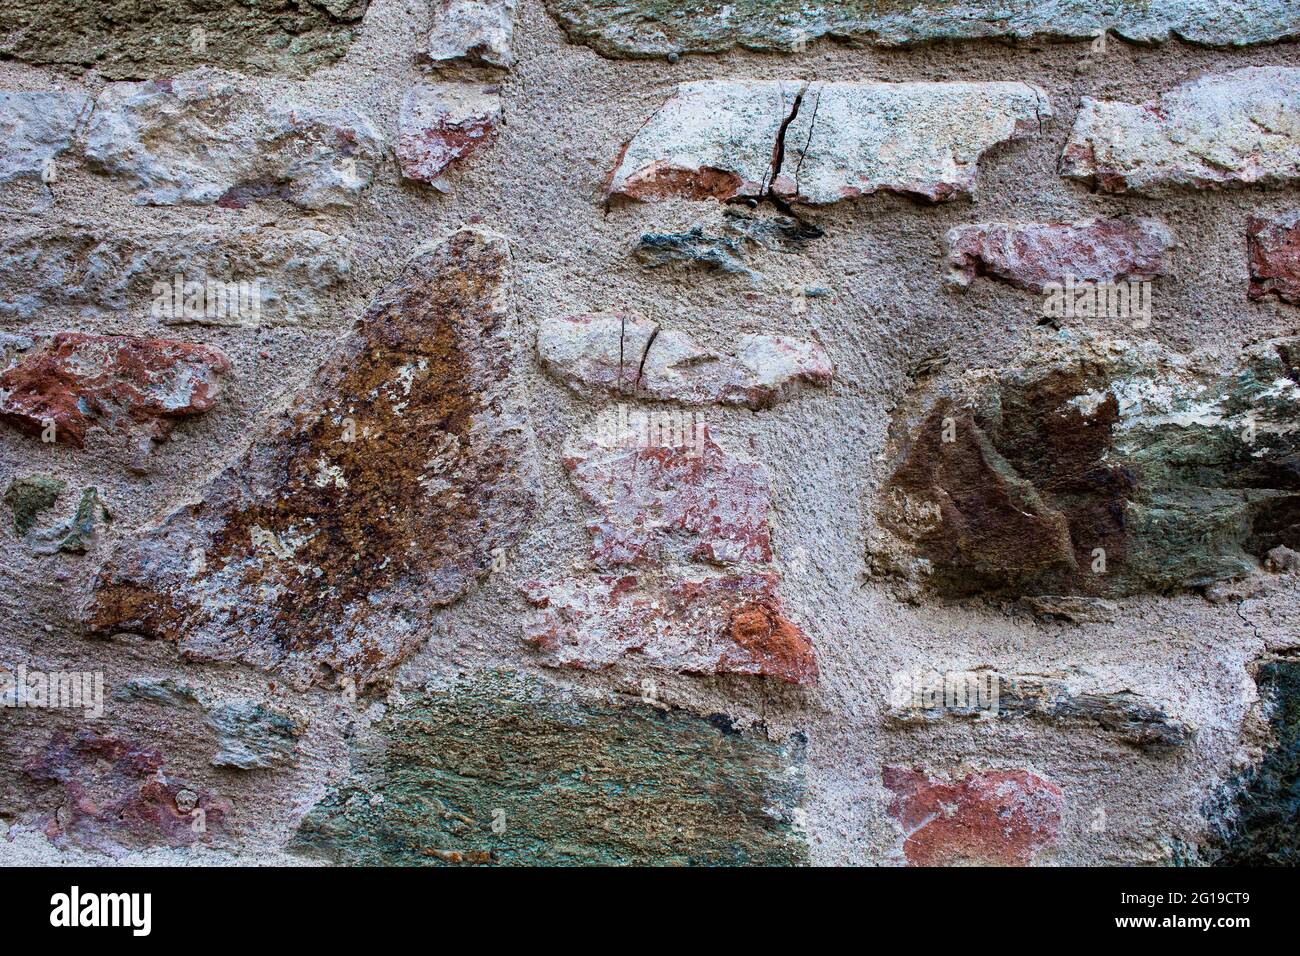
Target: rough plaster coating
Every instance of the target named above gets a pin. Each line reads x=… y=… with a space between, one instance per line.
x=889 y=324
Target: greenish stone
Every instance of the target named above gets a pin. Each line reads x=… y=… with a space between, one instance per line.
x=654 y=28
x=30 y=496
x=146 y=39
x=566 y=783
x=1260 y=824
x=77 y=535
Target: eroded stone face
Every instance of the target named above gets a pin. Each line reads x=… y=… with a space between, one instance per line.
x=819 y=143
x=472 y=31
x=394 y=481
x=689 y=624
x=644 y=28
x=300 y=274
x=443 y=123
x=990 y=818
x=114 y=795
x=1032 y=255
x=205 y=138
x=499 y=770
x=1227 y=129
x=159 y=37
x=118 y=386
x=30 y=496
x=36 y=128
x=626 y=355
x=1273 y=251
x=1098 y=468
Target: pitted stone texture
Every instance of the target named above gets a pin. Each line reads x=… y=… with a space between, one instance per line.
x=820 y=143
x=620 y=354
x=684 y=500
x=1098 y=467
x=443 y=123
x=992 y=818
x=1228 y=129
x=397 y=477
x=123 y=385
x=253 y=736
x=1044 y=698
x=499 y=769
x=114 y=795
x=472 y=31
x=205 y=138
x=1031 y=255
x=727 y=624
x=301 y=274
x=29 y=497
x=130 y=39
x=644 y=28
x=1273 y=251
x=36 y=128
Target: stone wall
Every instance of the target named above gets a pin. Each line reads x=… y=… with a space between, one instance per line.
x=437 y=432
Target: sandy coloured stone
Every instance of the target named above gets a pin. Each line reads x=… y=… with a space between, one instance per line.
x=1225 y=129
x=208 y=138
x=1032 y=255
x=625 y=355
x=819 y=143
x=392 y=484
x=300 y=275
x=472 y=31
x=687 y=624
x=1273 y=255
x=35 y=129
x=443 y=123
x=72 y=384
x=648 y=28
x=132 y=39
x=989 y=818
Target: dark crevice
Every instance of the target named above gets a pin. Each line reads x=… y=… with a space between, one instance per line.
x=654 y=333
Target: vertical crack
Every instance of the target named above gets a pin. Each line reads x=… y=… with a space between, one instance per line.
x=654 y=333
x=778 y=148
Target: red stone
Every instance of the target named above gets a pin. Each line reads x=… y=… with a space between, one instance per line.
x=119 y=383
x=729 y=624
x=1273 y=249
x=994 y=818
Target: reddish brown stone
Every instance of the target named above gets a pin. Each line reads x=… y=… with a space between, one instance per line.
x=688 y=500
x=1031 y=255
x=119 y=383
x=114 y=795
x=401 y=474
x=1273 y=249
x=995 y=818
x=730 y=624
x=443 y=123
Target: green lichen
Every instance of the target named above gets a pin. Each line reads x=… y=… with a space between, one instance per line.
x=499 y=769
x=144 y=39
x=29 y=497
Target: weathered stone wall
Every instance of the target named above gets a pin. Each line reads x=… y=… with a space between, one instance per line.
x=578 y=432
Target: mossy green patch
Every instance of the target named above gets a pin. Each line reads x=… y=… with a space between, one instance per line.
x=29 y=497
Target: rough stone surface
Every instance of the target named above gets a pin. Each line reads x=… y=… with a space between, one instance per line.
x=209 y=138
x=132 y=39
x=31 y=496
x=644 y=28
x=991 y=818
x=471 y=31
x=301 y=274
x=1097 y=467
x=112 y=795
x=1031 y=255
x=1230 y=129
x=504 y=770
x=1051 y=700
x=726 y=624
x=35 y=129
x=443 y=123
x=819 y=143
x=80 y=533
x=1273 y=254
x=253 y=736
x=122 y=385
x=406 y=457
x=625 y=355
